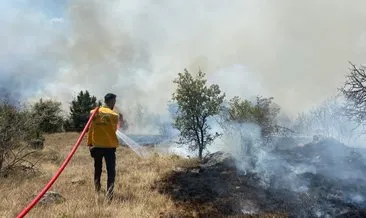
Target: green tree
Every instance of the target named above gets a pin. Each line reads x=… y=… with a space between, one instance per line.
x=80 y=109
x=263 y=113
x=196 y=104
x=49 y=115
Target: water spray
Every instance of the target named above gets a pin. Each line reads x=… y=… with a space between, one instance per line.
x=138 y=149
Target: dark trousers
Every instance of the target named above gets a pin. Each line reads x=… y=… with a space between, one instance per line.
x=109 y=155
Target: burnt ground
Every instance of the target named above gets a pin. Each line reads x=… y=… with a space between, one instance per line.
x=218 y=191
x=215 y=189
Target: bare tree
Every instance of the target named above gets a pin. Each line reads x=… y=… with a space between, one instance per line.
x=354 y=91
x=327 y=119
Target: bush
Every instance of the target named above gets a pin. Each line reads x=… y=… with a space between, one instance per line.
x=263 y=113
x=18 y=132
x=48 y=115
x=68 y=125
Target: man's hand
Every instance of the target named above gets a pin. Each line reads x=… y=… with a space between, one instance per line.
x=121 y=121
x=120 y=118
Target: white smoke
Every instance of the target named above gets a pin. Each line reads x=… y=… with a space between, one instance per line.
x=290 y=49
x=31 y=48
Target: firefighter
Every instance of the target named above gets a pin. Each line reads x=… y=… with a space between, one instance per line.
x=103 y=141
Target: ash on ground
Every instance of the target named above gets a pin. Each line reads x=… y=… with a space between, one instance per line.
x=320 y=179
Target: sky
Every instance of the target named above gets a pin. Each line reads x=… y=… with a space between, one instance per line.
x=294 y=51
x=28 y=30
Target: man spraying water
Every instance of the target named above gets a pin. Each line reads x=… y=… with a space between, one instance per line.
x=103 y=141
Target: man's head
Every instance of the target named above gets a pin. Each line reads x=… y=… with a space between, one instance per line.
x=110 y=100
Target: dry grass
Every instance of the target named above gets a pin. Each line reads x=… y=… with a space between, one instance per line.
x=135 y=196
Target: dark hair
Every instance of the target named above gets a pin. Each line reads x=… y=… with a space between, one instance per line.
x=109 y=97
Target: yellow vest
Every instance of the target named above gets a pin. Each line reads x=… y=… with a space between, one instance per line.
x=102 y=130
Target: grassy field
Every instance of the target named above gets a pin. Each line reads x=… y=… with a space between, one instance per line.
x=135 y=178
x=139 y=189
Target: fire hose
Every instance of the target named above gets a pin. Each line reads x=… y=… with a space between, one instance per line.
x=59 y=171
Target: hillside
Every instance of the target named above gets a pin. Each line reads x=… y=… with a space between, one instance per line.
x=134 y=196
x=139 y=185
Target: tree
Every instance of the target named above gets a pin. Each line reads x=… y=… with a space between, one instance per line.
x=354 y=91
x=80 y=110
x=263 y=113
x=196 y=104
x=48 y=114
x=327 y=119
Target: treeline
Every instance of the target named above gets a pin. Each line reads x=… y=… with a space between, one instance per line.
x=199 y=103
x=196 y=106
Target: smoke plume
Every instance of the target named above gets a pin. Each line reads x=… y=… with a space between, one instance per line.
x=295 y=51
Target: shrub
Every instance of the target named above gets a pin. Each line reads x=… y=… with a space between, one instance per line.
x=48 y=115
x=18 y=134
